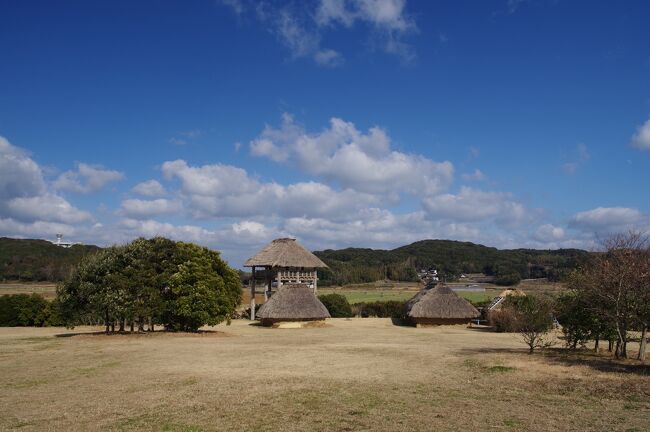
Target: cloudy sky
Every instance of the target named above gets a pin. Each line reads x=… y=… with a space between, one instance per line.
x=369 y=123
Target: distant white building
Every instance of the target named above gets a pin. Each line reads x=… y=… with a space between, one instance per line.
x=59 y=241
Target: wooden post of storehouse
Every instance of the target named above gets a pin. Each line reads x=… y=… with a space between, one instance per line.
x=253 y=295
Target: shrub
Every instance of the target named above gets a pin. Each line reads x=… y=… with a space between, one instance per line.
x=23 y=310
x=503 y=320
x=337 y=305
x=508 y=279
x=380 y=309
x=529 y=316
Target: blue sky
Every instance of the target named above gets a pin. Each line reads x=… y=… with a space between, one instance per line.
x=367 y=123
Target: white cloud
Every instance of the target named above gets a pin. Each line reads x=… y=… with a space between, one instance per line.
x=388 y=18
x=356 y=160
x=581 y=155
x=385 y=14
x=225 y=191
x=300 y=26
x=549 y=233
x=608 y=219
x=641 y=139
x=27 y=207
x=38 y=229
x=570 y=168
x=328 y=57
x=513 y=5
x=20 y=176
x=48 y=208
x=473 y=205
x=150 y=188
x=477 y=175
x=151 y=228
x=86 y=179
x=144 y=209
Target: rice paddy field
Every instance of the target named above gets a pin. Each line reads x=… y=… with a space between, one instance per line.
x=348 y=375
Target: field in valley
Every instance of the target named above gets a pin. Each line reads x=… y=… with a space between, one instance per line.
x=401 y=291
x=46 y=289
x=355 y=374
x=378 y=291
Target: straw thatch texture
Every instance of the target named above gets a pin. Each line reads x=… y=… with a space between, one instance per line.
x=284 y=252
x=439 y=305
x=514 y=292
x=292 y=302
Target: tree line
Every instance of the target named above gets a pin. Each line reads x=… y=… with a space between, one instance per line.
x=38 y=260
x=179 y=285
x=450 y=258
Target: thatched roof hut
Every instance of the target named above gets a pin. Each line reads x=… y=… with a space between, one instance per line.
x=284 y=252
x=439 y=305
x=292 y=302
x=284 y=261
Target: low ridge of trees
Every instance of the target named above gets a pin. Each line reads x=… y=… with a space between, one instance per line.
x=450 y=258
x=158 y=281
x=38 y=260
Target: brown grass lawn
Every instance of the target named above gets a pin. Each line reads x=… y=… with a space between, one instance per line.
x=358 y=374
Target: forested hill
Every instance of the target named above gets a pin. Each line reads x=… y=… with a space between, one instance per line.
x=450 y=258
x=38 y=260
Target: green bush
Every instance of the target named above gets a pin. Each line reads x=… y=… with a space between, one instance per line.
x=337 y=305
x=24 y=310
x=380 y=309
x=508 y=279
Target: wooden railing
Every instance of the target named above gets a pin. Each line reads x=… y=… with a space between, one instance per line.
x=297 y=276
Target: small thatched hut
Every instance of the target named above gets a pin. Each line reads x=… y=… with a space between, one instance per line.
x=439 y=305
x=292 y=302
x=284 y=261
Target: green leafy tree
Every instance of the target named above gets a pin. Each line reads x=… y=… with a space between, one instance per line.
x=337 y=305
x=579 y=322
x=202 y=291
x=179 y=285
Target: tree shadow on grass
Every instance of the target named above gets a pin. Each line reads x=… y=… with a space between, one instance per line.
x=161 y=333
x=603 y=362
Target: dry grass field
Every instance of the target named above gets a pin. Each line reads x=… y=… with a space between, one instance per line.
x=352 y=375
x=46 y=289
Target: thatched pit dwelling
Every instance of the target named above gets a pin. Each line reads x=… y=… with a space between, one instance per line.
x=439 y=305
x=291 y=303
x=284 y=261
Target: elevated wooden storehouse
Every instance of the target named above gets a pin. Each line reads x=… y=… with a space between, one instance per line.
x=292 y=302
x=439 y=305
x=284 y=261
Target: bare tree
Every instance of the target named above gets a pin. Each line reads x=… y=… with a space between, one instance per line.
x=613 y=283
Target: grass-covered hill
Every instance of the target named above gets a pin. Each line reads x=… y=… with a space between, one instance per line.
x=38 y=260
x=451 y=258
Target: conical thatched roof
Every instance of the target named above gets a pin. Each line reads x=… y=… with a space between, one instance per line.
x=293 y=302
x=440 y=302
x=284 y=252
